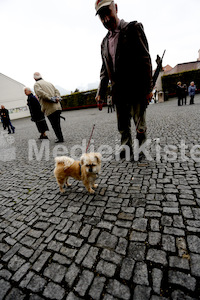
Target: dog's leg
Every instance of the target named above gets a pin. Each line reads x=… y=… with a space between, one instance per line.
x=87 y=184
x=95 y=185
x=67 y=182
x=61 y=185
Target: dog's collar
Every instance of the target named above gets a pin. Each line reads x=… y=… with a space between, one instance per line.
x=80 y=169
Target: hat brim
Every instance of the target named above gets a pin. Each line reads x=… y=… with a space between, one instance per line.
x=103 y=5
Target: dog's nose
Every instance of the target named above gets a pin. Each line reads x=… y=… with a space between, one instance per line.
x=90 y=169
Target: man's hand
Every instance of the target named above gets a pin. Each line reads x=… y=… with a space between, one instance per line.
x=97 y=98
x=149 y=96
x=99 y=102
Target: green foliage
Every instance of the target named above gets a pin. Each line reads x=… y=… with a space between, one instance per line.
x=80 y=100
x=169 y=82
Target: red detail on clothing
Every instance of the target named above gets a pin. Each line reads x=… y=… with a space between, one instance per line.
x=98 y=2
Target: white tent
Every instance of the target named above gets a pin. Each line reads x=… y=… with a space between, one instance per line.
x=13 y=98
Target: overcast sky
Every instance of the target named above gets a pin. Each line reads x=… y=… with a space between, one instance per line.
x=61 y=38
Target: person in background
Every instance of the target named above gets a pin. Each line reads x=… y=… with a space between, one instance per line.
x=179 y=93
x=191 y=90
x=109 y=103
x=37 y=115
x=49 y=98
x=127 y=64
x=6 y=120
x=185 y=92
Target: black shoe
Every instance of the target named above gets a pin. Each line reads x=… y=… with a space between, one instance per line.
x=59 y=141
x=45 y=137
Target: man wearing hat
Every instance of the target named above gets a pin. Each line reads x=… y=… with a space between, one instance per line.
x=126 y=63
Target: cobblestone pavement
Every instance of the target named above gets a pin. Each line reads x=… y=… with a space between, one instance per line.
x=137 y=237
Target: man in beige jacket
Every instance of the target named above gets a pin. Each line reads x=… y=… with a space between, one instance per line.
x=45 y=91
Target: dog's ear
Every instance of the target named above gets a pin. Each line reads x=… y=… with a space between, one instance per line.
x=98 y=157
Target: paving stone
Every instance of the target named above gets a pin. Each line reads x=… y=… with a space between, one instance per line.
x=194 y=243
x=72 y=296
x=176 y=295
x=141 y=274
x=97 y=287
x=71 y=274
x=38 y=265
x=168 y=243
x=120 y=232
x=90 y=258
x=122 y=246
x=157 y=276
x=140 y=224
x=154 y=238
x=15 y=294
x=5 y=286
x=36 y=284
x=118 y=290
x=106 y=268
x=136 y=251
x=54 y=291
x=5 y=274
x=55 y=272
x=15 y=263
x=74 y=241
x=127 y=268
x=107 y=240
x=157 y=256
x=111 y=256
x=138 y=236
x=21 y=272
x=182 y=279
x=61 y=259
x=141 y=292
x=180 y=263
x=195 y=263
x=84 y=282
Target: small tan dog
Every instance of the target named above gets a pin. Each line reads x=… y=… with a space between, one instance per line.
x=85 y=170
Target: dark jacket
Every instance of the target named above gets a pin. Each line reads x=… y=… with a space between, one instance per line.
x=179 y=91
x=132 y=78
x=35 y=108
x=5 y=117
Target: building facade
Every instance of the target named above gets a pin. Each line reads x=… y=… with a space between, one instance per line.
x=13 y=98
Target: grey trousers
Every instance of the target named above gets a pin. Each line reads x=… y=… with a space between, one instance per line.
x=125 y=113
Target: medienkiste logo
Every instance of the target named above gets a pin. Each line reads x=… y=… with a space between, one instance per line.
x=7 y=149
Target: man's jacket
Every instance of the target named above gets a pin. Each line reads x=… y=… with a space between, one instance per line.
x=132 y=79
x=45 y=91
x=5 y=116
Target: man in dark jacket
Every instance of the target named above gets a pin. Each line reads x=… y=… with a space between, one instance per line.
x=6 y=119
x=126 y=63
x=37 y=115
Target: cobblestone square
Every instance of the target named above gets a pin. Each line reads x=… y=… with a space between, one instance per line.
x=137 y=237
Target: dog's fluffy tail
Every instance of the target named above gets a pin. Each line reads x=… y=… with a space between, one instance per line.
x=65 y=160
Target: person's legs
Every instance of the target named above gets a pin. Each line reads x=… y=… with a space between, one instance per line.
x=55 y=123
x=12 y=127
x=193 y=99
x=124 y=125
x=139 y=117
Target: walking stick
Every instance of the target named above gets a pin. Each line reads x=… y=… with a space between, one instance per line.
x=155 y=77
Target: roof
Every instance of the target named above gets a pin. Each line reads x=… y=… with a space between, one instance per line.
x=9 y=78
x=194 y=65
